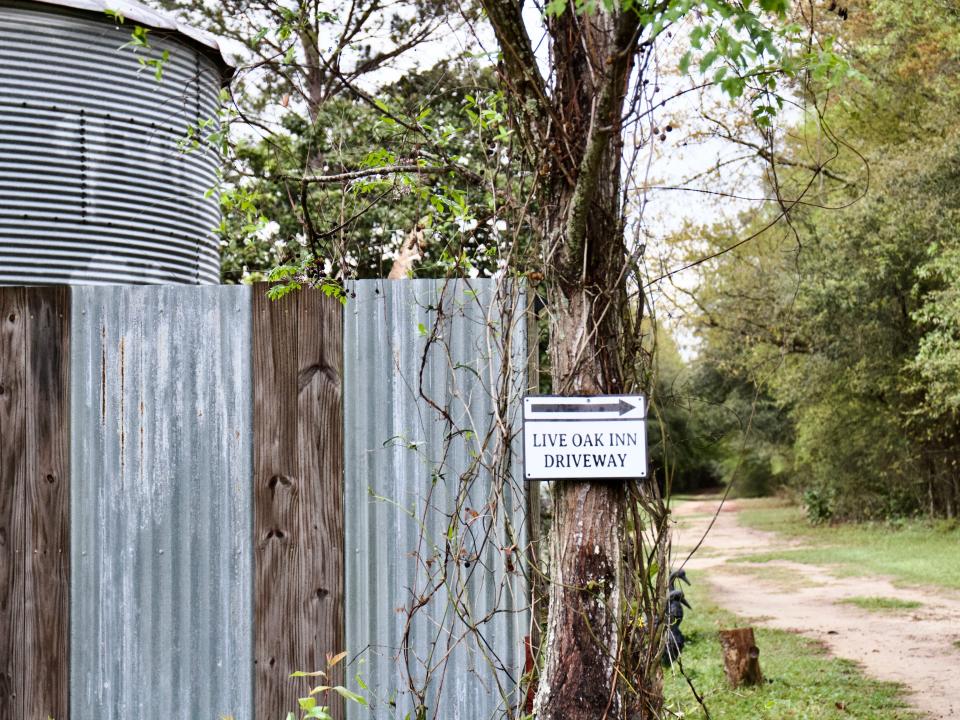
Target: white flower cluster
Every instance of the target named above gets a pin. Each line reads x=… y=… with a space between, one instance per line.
x=499 y=226
x=465 y=224
x=267 y=231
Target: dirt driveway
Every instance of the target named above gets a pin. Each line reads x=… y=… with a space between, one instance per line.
x=916 y=647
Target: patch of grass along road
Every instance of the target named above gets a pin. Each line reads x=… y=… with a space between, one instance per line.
x=917 y=552
x=803 y=683
x=877 y=603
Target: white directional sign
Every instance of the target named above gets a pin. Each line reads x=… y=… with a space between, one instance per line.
x=599 y=437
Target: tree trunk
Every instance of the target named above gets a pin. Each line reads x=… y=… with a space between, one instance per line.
x=571 y=129
x=741 y=657
x=585 y=596
x=584 y=668
x=585 y=255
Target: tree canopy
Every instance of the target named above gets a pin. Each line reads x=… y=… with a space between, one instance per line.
x=845 y=311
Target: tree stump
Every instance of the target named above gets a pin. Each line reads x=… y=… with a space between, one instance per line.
x=741 y=657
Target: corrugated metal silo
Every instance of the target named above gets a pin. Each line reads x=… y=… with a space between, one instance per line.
x=94 y=184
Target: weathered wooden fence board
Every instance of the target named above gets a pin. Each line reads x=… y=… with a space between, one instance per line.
x=162 y=507
x=12 y=480
x=34 y=502
x=47 y=553
x=298 y=476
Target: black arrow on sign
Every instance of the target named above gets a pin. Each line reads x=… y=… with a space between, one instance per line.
x=621 y=407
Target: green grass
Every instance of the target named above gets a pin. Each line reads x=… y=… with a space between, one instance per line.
x=803 y=683
x=881 y=603
x=917 y=553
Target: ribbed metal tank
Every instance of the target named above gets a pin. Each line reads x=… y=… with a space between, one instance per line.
x=95 y=186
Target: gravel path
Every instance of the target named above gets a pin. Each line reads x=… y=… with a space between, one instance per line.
x=915 y=647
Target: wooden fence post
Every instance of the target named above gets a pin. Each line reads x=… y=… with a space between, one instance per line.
x=298 y=500
x=34 y=502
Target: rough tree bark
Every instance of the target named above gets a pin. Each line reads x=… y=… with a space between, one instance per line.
x=573 y=132
x=741 y=657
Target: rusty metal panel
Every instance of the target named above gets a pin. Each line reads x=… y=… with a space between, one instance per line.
x=95 y=186
x=161 y=551
x=418 y=509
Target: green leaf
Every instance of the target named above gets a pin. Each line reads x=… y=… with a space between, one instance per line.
x=347 y=695
x=555 y=8
x=282 y=272
x=278 y=291
x=733 y=86
x=778 y=7
x=707 y=60
x=138 y=39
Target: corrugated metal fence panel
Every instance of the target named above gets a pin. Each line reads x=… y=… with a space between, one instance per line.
x=401 y=498
x=93 y=185
x=161 y=602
